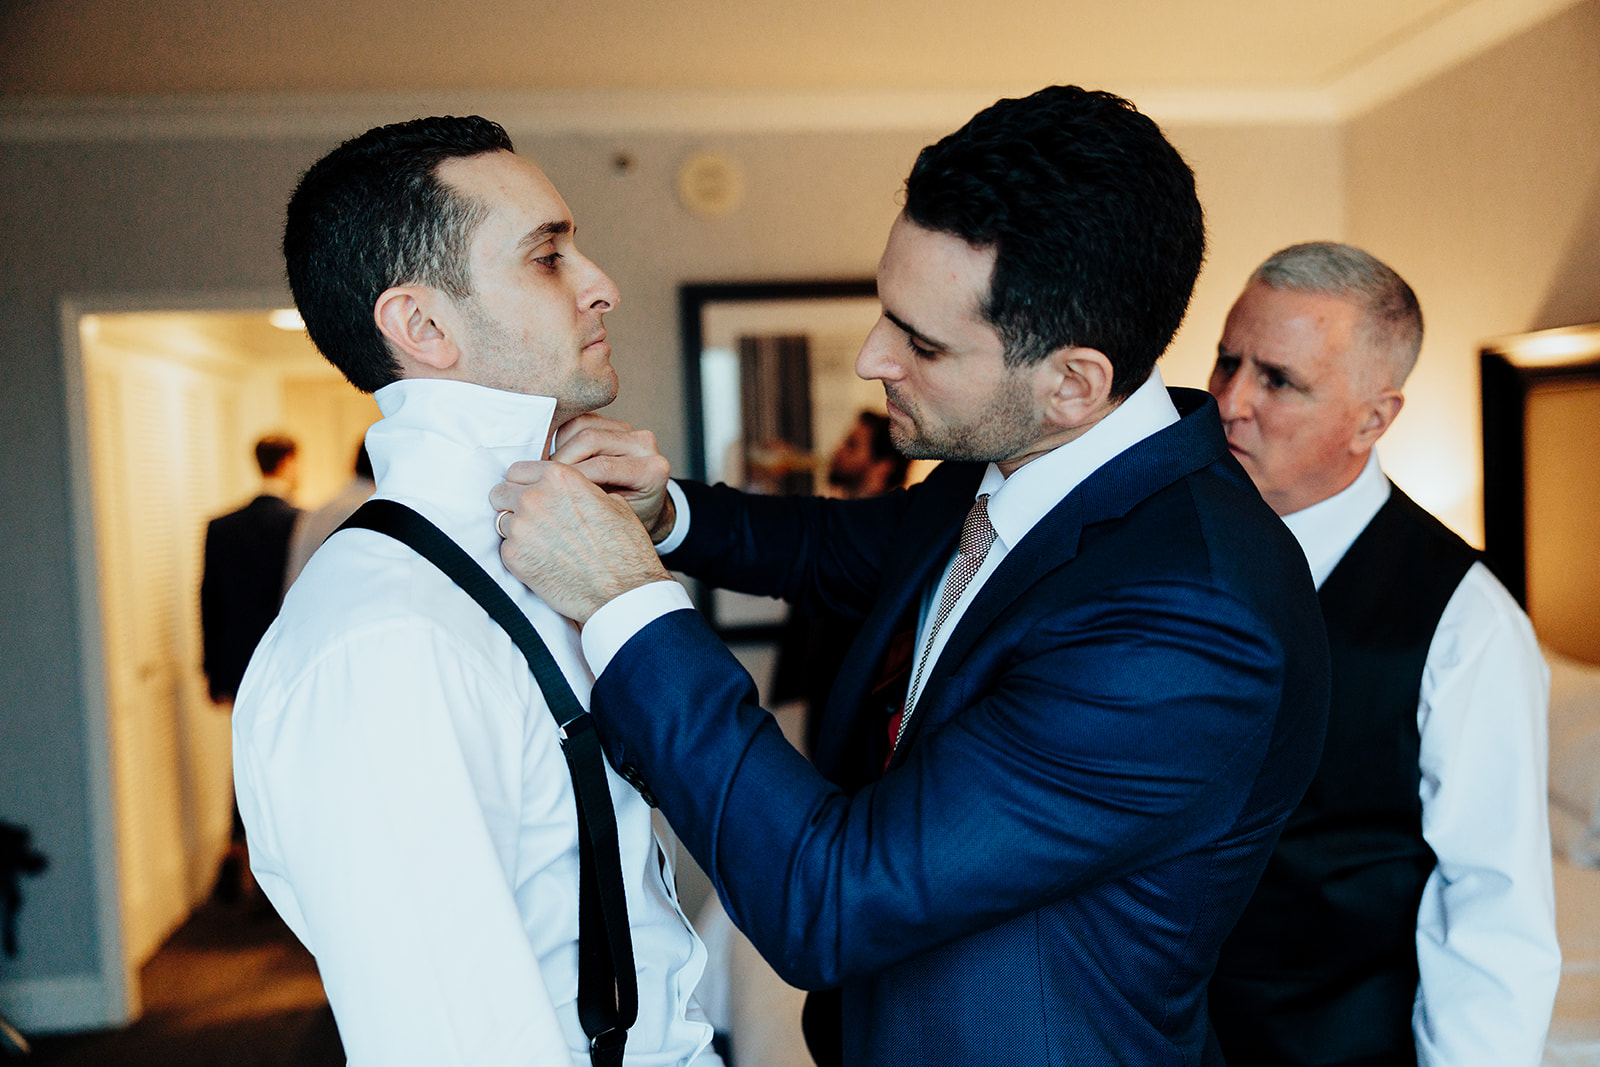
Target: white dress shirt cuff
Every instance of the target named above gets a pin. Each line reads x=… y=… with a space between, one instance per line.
x=615 y=624
x=680 y=528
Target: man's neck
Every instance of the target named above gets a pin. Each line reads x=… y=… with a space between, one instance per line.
x=1145 y=410
x=272 y=485
x=1050 y=442
x=1327 y=528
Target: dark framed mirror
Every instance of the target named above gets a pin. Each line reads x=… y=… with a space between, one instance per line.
x=1541 y=480
x=769 y=371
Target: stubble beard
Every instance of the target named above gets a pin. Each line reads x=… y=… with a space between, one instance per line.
x=508 y=362
x=1007 y=426
x=584 y=392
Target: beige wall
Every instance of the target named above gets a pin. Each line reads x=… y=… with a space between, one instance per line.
x=1482 y=188
x=1263 y=187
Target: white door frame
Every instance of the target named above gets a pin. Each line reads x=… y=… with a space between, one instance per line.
x=110 y=997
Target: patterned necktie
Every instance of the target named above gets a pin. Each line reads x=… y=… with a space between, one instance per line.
x=977 y=535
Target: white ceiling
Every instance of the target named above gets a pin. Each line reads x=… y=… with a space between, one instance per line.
x=1341 y=56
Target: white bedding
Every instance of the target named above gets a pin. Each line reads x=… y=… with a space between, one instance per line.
x=1574 y=1039
x=1575 y=832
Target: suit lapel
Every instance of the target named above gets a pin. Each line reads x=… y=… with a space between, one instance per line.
x=925 y=539
x=1194 y=442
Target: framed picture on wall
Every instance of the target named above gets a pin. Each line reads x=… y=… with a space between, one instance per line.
x=770 y=381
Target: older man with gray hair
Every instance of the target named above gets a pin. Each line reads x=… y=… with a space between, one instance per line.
x=1406 y=915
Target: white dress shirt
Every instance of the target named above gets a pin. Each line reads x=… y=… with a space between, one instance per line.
x=409 y=810
x=1016 y=504
x=1486 y=935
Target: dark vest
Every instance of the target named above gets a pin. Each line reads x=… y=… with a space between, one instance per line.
x=1322 y=967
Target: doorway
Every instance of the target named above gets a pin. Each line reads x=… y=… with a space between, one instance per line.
x=172 y=402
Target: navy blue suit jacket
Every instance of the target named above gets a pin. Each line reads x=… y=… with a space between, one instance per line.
x=1098 y=767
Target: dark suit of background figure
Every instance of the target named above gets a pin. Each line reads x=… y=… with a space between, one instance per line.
x=242 y=586
x=1097 y=769
x=1322 y=968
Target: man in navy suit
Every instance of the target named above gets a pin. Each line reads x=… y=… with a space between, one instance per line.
x=1026 y=846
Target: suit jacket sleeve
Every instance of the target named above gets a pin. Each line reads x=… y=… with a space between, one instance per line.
x=829 y=553
x=1057 y=772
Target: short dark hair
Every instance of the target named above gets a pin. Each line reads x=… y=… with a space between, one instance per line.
x=272 y=452
x=1097 y=231
x=882 y=447
x=373 y=214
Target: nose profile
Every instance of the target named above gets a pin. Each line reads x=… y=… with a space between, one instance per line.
x=1231 y=392
x=601 y=294
x=875 y=361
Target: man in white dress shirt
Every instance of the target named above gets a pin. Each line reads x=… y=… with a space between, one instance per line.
x=1406 y=916
x=410 y=810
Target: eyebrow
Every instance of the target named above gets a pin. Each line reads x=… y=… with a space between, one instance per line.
x=907 y=328
x=1224 y=352
x=539 y=235
x=1289 y=378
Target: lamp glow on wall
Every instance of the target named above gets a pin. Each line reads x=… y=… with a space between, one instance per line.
x=1541 y=448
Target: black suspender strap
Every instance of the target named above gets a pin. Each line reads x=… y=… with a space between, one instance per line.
x=608 y=992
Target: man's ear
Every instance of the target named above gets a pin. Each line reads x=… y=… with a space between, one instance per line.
x=1376 y=420
x=1077 y=383
x=410 y=317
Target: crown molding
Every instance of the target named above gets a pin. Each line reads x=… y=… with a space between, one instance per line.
x=335 y=116
x=1235 y=107
x=1466 y=30
x=1463 y=31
